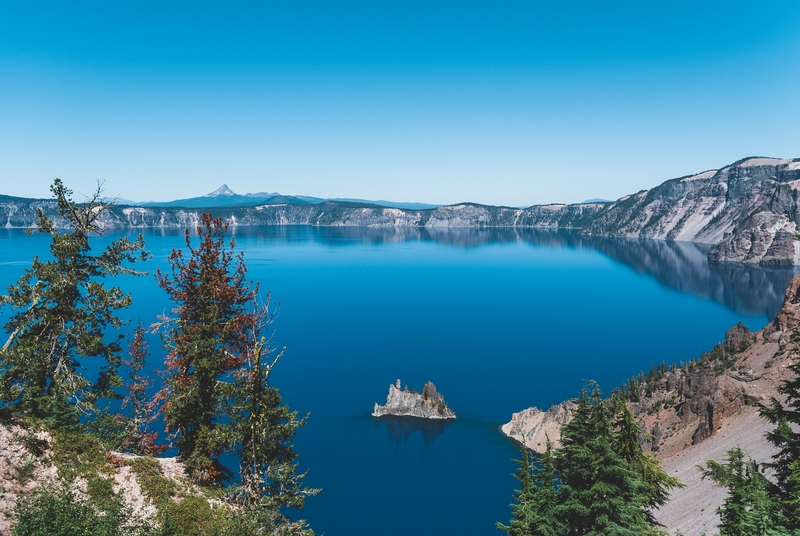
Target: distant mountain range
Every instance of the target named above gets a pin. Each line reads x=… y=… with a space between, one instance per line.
x=225 y=197
x=748 y=212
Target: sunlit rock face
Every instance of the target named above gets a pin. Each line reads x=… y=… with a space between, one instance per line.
x=428 y=404
x=747 y=210
x=533 y=427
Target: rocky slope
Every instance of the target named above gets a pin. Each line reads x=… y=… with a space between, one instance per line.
x=748 y=210
x=428 y=404
x=697 y=412
x=32 y=457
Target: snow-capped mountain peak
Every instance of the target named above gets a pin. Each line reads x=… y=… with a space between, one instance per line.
x=221 y=191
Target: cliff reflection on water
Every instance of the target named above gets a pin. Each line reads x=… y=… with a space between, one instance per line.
x=747 y=289
x=401 y=428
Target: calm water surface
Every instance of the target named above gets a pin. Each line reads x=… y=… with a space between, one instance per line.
x=499 y=320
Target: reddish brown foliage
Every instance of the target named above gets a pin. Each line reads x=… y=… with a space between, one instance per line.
x=140 y=440
x=208 y=341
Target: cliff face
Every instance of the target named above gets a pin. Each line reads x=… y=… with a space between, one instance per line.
x=405 y=403
x=748 y=211
x=532 y=426
x=22 y=213
x=698 y=412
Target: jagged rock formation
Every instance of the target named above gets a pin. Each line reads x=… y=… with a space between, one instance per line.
x=406 y=403
x=532 y=426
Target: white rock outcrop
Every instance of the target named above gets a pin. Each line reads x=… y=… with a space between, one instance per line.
x=532 y=426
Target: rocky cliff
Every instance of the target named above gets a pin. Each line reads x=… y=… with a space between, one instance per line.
x=22 y=213
x=428 y=404
x=683 y=406
x=748 y=211
x=532 y=426
x=697 y=412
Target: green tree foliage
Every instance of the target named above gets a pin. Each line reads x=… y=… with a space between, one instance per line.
x=542 y=501
x=59 y=511
x=749 y=508
x=262 y=429
x=786 y=439
x=599 y=482
x=139 y=439
x=521 y=523
x=600 y=494
x=545 y=498
x=207 y=341
x=656 y=483
x=62 y=314
x=755 y=505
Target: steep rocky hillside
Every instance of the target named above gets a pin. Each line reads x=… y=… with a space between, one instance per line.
x=748 y=210
x=697 y=412
x=33 y=458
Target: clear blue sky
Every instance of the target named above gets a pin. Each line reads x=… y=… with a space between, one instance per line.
x=497 y=102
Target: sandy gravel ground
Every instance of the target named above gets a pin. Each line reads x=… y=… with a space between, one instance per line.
x=691 y=511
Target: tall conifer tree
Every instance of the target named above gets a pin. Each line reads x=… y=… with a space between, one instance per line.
x=522 y=509
x=786 y=439
x=63 y=312
x=262 y=430
x=544 y=501
x=139 y=438
x=207 y=341
x=656 y=483
x=600 y=494
x=749 y=509
x=535 y=507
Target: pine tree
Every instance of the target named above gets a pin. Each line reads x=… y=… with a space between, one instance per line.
x=521 y=523
x=544 y=501
x=63 y=314
x=139 y=438
x=535 y=506
x=599 y=494
x=262 y=430
x=656 y=483
x=207 y=341
x=786 y=439
x=749 y=509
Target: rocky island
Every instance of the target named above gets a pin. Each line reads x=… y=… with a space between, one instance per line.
x=407 y=403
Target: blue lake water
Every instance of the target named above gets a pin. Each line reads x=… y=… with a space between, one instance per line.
x=499 y=320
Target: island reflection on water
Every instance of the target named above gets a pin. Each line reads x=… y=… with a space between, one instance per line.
x=747 y=289
x=401 y=428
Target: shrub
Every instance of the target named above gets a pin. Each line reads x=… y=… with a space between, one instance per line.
x=153 y=483
x=57 y=511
